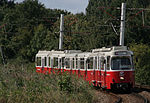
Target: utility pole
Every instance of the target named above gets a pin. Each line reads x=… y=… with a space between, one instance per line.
x=143 y=18
x=122 y=26
x=61 y=32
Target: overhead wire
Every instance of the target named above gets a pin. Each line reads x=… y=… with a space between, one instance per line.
x=49 y=20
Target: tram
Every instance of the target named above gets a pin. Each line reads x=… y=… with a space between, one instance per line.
x=107 y=68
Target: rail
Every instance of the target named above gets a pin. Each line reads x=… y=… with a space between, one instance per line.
x=119 y=100
x=140 y=96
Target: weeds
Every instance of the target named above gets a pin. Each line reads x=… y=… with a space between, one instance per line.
x=19 y=83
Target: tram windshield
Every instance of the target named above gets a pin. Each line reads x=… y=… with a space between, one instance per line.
x=120 y=63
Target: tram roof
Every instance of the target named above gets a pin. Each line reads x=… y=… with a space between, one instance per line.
x=71 y=55
x=114 y=48
x=43 y=53
x=65 y=53
x=78 y=53
x=87 y=54
x=57 y=53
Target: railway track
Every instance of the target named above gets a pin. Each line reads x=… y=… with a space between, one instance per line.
x=140 y=96
x=143 y=90
x=110 y=97
x=133 y=98
x=119 y=99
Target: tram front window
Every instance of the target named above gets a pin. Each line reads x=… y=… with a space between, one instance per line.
x=121 y=63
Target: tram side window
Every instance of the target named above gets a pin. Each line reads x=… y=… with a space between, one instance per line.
x=102 y=64
x=76 y=63
x=108 y=61
x=81 y=63
x=96 y=63
x=90 y=63
x=45 y=61
x=63 y=62
x=38 y=61
x=73 y=63
x=59 y=63
x=55 y=63
x=75 y=60
x=49 y=60
x=67 y=63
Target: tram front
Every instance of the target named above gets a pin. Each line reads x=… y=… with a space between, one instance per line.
x=122 y=70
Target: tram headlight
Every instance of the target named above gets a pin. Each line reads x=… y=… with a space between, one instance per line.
x=121 y=78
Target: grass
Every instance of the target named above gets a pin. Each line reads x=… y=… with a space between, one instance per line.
x=19 y=83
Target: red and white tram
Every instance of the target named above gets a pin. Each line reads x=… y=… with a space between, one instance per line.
x=105 y=67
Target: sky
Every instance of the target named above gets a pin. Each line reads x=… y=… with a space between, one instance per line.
x=74 y=6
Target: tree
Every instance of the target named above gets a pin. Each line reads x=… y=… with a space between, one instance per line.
x=104 y=12
x=36 y=43
x=142 y=60
x=20 y=24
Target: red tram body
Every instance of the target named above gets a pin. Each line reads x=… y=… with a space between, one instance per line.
x=108 y=68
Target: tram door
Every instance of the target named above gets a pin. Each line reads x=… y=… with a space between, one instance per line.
x=92 y=67
x=98 y=71
x=103 y=72
x=59 y=65
x=94 y=72
x=42 y=65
